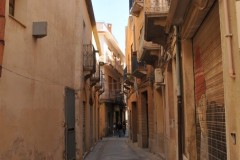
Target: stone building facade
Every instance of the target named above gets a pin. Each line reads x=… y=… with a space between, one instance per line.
x=46 y=61
x=111 y=98
x=195 y=77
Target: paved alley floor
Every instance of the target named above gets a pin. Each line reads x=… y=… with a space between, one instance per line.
x=115 y=148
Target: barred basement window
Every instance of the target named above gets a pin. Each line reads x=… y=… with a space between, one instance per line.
x=11 y=7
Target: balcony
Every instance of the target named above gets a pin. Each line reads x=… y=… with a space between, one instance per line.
x=125 y=73
x=111 y=96
x=127 y=79
x=115 y=64
x=138 y=68
x=95 y=78
x=148 y=51
x=100 y=85
x=156 y=12
x=135 y=7
x=120 y=99
x=89 y=60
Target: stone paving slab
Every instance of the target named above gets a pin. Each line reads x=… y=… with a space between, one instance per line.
x=115 y=148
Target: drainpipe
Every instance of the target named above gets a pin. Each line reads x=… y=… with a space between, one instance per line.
x=179 y=95
x=2 y=30
x=229 y=40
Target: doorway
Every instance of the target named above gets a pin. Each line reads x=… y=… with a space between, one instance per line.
x=145 y=123
x=70 y=141
x=134 y=122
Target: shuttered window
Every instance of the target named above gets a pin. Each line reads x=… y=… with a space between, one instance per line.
x=11 y=7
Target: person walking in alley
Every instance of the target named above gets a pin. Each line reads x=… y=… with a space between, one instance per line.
x=114 y=129
x=124 y=127
x=119 y=129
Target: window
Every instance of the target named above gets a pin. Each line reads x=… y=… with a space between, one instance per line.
x=18 y=11
x=11 y=7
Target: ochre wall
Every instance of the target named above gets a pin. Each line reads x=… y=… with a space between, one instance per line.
x=35 y=74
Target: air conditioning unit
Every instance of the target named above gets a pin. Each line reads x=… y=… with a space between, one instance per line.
x=158 y=74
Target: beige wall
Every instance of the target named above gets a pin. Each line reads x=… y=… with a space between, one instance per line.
x=109 y=48
x=188 y=98
x=36 y=72
x=231 y=85
x=103 y=120
x=238 y=22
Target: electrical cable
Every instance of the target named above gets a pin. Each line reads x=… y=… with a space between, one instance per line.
x=41 y=81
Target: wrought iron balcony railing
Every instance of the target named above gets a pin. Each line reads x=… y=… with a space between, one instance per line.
x=115 y=64
x=96 y=76
x=136 y=64
x=127 y=78
x=111 y=95
x=100 y=85
x=138 y=68
x=89 y=60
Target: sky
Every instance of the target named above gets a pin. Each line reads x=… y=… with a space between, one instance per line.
x=115 y=12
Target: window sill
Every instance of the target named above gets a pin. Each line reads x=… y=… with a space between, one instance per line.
x=20 y=23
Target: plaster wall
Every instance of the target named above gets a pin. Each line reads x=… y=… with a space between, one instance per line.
x=231 y=85
x=189 y=105
x=35 y=74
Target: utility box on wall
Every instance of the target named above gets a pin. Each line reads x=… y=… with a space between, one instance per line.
x=39 y=29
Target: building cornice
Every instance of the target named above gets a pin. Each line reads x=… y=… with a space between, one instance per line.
x=93 y=23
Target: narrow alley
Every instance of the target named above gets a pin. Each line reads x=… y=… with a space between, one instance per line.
x=115 y=148
x=77 y=75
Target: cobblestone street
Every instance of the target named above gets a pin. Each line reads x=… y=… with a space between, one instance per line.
x=116 y=148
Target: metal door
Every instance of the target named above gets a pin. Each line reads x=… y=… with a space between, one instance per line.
x=134 y=121
x=145 y=121
x=84 y=128
x=70 y=145
x=91 y=125
x=209 y=92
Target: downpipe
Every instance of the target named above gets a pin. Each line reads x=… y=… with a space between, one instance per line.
x=228 y=40
x=179 y=95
